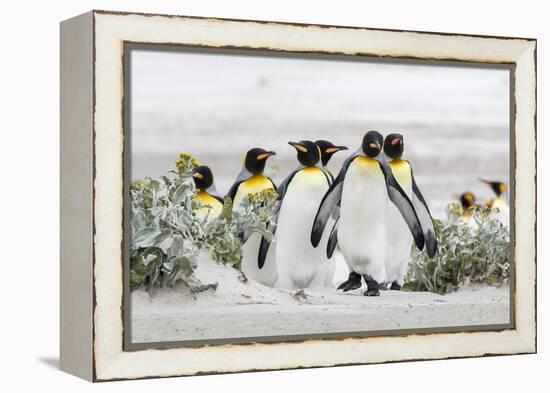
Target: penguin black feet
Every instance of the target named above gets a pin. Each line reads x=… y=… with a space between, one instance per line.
x=395 y=286
x=353 y=282
x=373 y=288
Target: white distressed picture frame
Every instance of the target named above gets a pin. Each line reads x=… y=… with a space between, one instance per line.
x=92 y=189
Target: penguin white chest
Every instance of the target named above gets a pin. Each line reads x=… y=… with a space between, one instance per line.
x=249 y=264
x=362 y=230
x=501 y=211
x=299 y=264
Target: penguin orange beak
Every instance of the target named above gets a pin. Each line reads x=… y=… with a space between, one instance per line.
x=265 y=155
x=374 y=145
x=298 y=146
x=198 y=175
x=334 y=149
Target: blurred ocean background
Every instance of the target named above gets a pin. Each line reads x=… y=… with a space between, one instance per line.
x=455 y=120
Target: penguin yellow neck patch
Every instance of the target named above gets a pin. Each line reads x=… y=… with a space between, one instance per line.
x=367 y=161
x=206 y=199
x=401 y=171
x=311 y=169
x=256 y=183
x=310 y=176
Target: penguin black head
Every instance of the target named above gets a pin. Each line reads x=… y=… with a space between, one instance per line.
x=372 y=143
x=203 y=177
x=393 y=146
x=308 y=152
x=467 y=200
x=498 y=188
x=254 y=160
x=327 y=150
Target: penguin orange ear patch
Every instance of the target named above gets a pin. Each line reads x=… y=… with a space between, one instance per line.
x=262 y=156
x=300 y=148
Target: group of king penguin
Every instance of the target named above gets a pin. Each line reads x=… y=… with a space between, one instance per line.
x=498 y=203
x=372 y=210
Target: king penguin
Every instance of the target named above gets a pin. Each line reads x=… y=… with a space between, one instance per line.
x=502 y=210
x=468 y=202
x=252 y=180
x=206 y=193
x=399 y=240
x=299 y=264
x=328 y=149
x=364 y=187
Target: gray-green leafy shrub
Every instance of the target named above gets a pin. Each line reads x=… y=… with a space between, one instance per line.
x=167 y=235
x=475 y=251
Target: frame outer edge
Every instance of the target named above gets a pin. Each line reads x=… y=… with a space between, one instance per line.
x=76 y=194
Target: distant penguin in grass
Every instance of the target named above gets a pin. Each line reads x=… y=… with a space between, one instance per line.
x=398 y=249
x=252 y=180
x=499 y=204
x=299 y=264
x=206 y=193
x=468 y=203
x=364 y=187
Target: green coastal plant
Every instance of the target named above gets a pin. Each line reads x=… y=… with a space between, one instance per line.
x=474 y=250
x=167 y=235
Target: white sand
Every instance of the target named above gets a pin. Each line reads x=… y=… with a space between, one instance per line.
x=249 y=309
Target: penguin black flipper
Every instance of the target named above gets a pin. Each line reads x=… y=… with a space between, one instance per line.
x=425 y=218
x=400 y=199
x=243 y=176
x=272 y=183
x=329 y=176
x=329 y=201
x=233 y=190
x=281 y=191
x=333 y=239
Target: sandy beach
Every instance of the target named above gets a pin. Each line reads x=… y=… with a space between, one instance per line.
x=248 y=309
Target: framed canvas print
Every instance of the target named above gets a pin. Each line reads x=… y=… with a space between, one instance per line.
x=245 y=195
